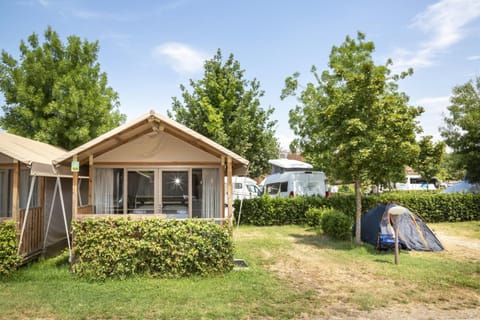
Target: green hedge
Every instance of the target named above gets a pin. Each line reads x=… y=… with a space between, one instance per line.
x=9 y=259
x=336 y=224
x=432 y=206
x=117 y=247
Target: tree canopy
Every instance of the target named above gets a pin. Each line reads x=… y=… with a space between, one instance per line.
x=225 y=107
x=462 y=131
x=429 y=160
x=352 y=122
x=56 y=92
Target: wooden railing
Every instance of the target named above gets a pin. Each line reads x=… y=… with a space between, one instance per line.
x=32 y=241
x=88 y=209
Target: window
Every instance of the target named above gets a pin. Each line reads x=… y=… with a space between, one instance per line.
x=177 y=193
x=273 y=188
x=237 y=186
x=25 y=184
x=141 y=191
x=5 y=193
x=108 y=191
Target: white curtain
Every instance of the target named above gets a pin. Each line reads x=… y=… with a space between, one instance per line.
x=103 y=191
x=211 y=193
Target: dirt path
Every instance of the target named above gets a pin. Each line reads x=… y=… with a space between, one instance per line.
x=347 y=294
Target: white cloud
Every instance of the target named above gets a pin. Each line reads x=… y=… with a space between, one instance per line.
x=434 y=102
x=445 y=24
x=473 y=58
x=181 y=57
x=284 y=139
x=432 y=119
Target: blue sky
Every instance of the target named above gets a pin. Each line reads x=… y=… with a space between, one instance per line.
x=149 y=48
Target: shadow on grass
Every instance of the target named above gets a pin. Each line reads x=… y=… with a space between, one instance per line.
x=322 y=241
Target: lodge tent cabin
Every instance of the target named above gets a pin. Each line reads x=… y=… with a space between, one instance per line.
x=30 y=193
x=155 y=167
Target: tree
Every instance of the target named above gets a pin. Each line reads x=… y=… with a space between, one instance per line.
x=353 y=123
x=56 y=93
x=462 y=131
x=429 y=159
x=225 y=107
x=451 y=167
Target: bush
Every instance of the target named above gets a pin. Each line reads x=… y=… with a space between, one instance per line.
x=314 y=216
x=336 y=224
x=431 y=206
x=9 y=259
x=118 y=248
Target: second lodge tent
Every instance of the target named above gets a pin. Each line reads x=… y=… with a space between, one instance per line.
x=30 y=194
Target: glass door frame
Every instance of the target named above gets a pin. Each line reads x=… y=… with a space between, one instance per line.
x=159 y=192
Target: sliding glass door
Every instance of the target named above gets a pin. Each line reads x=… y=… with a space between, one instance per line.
x=177 y=193
x=141 y=191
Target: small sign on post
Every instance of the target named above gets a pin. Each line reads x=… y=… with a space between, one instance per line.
x=75 y=166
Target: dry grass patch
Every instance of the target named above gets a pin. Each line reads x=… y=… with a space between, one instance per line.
x=356 y=282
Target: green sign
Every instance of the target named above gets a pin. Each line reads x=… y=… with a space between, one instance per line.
x=75 y=166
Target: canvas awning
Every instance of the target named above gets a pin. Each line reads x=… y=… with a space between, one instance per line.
x=37 y=155
x=151 y=122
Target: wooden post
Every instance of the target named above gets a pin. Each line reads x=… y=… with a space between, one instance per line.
x=396 y=239
x=90 y=181
x=74 y=192
x=229 y=189
x=396 y=212
x=222 y=184
x=16 y=194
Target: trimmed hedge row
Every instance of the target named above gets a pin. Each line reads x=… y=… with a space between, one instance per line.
x=117 y=248
x=9 y=259
x=431 y=206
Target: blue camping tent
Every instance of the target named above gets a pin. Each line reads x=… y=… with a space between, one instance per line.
x=378 y=229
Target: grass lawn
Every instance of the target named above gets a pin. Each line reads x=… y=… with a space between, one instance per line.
x=293 y=273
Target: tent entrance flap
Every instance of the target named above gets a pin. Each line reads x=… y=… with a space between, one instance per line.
x=58 y=188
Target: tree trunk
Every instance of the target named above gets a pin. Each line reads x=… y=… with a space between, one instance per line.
x=358 y=205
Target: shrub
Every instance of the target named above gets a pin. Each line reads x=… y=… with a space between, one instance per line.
x=336 y=224
x=431 y=206
x=314 y=216
x=117 y=247
x=9 y=259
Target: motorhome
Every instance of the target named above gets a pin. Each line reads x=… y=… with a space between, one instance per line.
x=416 y=182
x=243 y=188
x=291 y=178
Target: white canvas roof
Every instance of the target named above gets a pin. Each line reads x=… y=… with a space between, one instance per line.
x=147 y=123
x=290 y=164
x=37 y=155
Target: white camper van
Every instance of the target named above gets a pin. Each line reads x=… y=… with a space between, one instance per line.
x=242 y=188
x=295 y=183
x=416 y=182
x=291 y=178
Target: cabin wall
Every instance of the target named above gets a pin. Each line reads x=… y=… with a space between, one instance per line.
x=156 y=147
